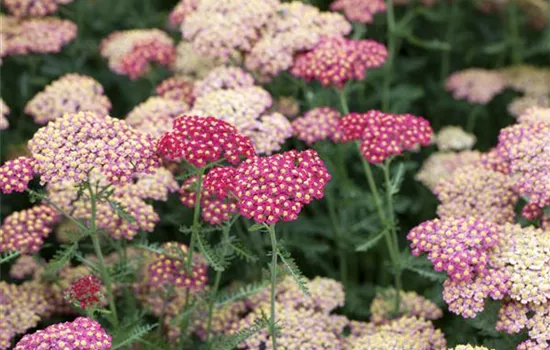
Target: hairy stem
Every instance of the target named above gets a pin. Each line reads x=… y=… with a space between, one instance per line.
x=273 y=237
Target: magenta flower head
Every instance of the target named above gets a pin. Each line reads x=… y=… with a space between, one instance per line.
x=131 y=52
x=81 y=334
x=384 y=134
x=203 y=140
x=85 y=292
x=317 y=124
x=458 y=246
x=275 y=188
x=70 y=147
x=334 y=61
x=16 y=174
x=169 y=268
x=360 y=11
x=218 y=204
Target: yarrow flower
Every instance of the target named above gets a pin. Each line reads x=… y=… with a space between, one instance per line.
x=476 y=85
x=276 y=188
x=218 y=203
x=223 y=78
x=33 y=8
x=156 y=115
x=155 y=186
x=269 y=133
x=81 y=334
x=476 y=191
x=317 y=124
x=21 y=307
x=335 y=61
x=454 y=138
x=169 y=268
x=178 y=88
x=24 y=231
x=4 y=111
x=534 y=115
x=458 y=246
x=383 y=134
x=189 y=62
x=203 y=140
x=131 y=52
x=69 y=147
x=183 y=9
x=16 y=174
x=521 y=104
x=411 y=304
x=69 y=94
x=470 y=347
x=360 y=11
x=293 y=28
x=532 y=81
x=24 y=266
x=287 y=106
x=85 y=292
x=441 y=165
x=36 y=35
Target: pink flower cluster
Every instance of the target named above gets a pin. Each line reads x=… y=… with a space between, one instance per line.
x=335 y=61
x=317 y=124
x=360 y=11
x=69 y=94
x=177 y=88
x=131 y=52
x=183 y=9
x=276 y=188
x=218 y=203
x=476 y=85
x=156 y=115
x=441 y=165
x=203 y=140
x=383 y=134
x=24 y=231
x=33 y=8
x=411 y=304
x=81 y=334
x=70 y=147
x=223 y=78
x=458 y=246
x=16 y=174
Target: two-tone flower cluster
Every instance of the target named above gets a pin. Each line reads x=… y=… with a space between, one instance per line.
x=85 y=292
x=33 y=8
x=178 y=88
x=335 y=61
x=69 y=94
x=360 y=11
x=131 y=52
x=156 y=115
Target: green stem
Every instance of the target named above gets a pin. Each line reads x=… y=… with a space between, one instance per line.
x=343 y=100
x=273 y=237
x=196 y=220
x=338 y=237
x=390 y=18
x=472 y=119
x=216 y=286
x=97 y=247
x=446 y=54
x=372 y=186
x=512 y=9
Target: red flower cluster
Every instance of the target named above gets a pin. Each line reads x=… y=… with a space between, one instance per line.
x=16 y=174
x=203 y=140
x=86 y=292
x=217 y=202
x=276 y=188
x=385 y=134
x=336 y=60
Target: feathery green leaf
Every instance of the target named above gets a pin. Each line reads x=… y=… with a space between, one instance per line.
x=290 y=267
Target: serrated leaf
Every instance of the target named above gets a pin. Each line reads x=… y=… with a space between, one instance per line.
x=246 y=291
x=61 y=259
x=216 y=261
x=230 y=342
x=243 y=252
x=397 y=179
x=121 y=211
x=256 y=227
x=428 y=274
x=291 y=269
x=127 y=337
x=371 y=242
x=6 y=257
x=152 y=247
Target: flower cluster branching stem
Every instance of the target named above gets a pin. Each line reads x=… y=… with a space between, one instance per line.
x=273 y=267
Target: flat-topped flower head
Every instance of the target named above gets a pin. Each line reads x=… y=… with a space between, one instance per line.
x=178 y=88
x=476 y=85
x=521 y=104
x=33 y=8
x=476 y=191
x=24 y=266
x=36 y=35
x=131 y=52
x=534 y=115
x=275 y=188
x=4 y=111
x=24 y=231
x=223 y=78
x=157 y=186
x=335 y=61
x=156 y=115
x=81 y=334
x=70 y=147
x=218 y=203
x=16 y=174
x=531 y=80
x=270 y=133
x=85 y=292
x=441 y=165
x=317 y=124
x=21 y=308
x=189 y=62
x=515 y=316
x=168 y=269
x=360 y=11
x=182 y=9
x=69 y=94
x=203 y=140
x=454 y=138
x=383 y=134
x=411 y=304
x=458 y=246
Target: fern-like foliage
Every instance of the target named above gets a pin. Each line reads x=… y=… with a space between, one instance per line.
x=129 y=335
x=121 y=212
x=216 y=261
x=152 y=247
x=292 y=269
x=230 y=342
x=243 y=292
x=242 y=252
x=6 y=257
x=61 y=259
